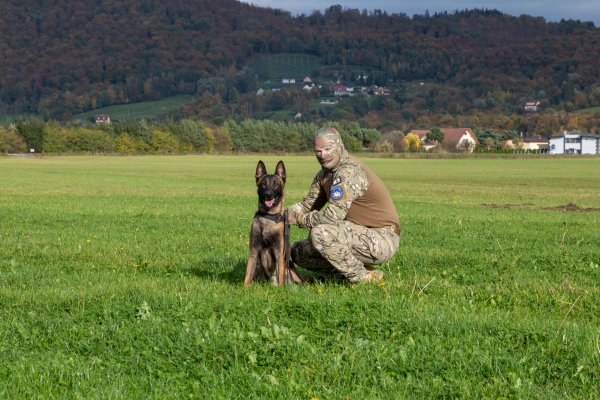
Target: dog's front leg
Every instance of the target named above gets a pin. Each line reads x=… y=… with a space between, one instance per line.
x=252 y=261
x=250 y=268
x=281 y=261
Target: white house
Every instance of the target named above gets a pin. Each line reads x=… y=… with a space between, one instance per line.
x=574 y=143
x=532 y=106
x=103 y=119
x=463 y=139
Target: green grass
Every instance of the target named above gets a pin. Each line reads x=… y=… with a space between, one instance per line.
x=6 y=119
x=589 y=109
x=121 y=277
x=285 y=65
x=134 y=111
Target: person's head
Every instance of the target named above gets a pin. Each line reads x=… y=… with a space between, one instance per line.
x=329 y=148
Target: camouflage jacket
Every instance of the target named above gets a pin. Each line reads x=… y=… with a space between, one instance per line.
x=331 y=194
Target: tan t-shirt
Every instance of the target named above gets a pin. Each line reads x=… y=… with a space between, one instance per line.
x=352 y=192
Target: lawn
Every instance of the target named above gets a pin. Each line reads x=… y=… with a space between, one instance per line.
x=136 y=111
x=277 y=67
x=121 y=277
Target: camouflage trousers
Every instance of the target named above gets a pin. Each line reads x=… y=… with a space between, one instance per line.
x=345 y=249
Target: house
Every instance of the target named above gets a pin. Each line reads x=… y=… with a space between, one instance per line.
x=307 y=79
x=260 y=92
x=574 y=143
x=288 y=81
x=103 y=119
x=341 y=90
x=532 y=106
x=527 y=143
x=308 y=88
x=462 y=139
x=381 y=91
x=535 y=143
x=329 y=102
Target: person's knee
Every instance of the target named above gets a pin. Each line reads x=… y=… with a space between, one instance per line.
x=318 y=236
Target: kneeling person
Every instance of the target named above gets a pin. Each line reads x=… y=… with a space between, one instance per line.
x=351 y=216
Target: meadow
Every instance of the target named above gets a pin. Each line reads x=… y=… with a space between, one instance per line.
x=121 y=277
x=136 y=111
x=277 y=67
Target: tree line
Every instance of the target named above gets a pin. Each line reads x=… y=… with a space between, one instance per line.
x=264 y=136
x=173 y=137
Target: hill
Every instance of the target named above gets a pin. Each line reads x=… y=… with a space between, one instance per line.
x=58 y=61
x=136 y=111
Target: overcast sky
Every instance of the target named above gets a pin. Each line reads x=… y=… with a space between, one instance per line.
x=552 y=10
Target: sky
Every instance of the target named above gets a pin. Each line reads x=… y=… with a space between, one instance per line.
x=551 y=10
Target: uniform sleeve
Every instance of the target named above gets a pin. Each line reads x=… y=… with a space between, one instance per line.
x=349 y=183
x=304 y=206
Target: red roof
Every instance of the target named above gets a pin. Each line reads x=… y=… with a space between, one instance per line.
x=451 y=135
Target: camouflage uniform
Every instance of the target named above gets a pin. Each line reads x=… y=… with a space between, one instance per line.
x=336 y=245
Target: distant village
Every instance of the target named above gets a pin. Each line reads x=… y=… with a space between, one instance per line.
x=454 y=139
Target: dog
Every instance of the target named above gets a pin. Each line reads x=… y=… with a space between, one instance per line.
x=269 y=247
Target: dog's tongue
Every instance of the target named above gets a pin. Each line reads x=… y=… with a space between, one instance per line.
x=269 y=202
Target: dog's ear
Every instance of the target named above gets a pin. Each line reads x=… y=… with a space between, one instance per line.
x=280 y=170
x=261 y=170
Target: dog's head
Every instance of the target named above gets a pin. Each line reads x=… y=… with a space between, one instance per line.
x=270 y=186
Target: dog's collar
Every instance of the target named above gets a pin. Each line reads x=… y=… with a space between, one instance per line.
x=272 y=217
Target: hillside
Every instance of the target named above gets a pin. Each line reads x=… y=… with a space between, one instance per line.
x=62 y=58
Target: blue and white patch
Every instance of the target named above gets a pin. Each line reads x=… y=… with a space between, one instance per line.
x=336 y=193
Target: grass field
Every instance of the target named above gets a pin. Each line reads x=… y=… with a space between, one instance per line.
x=135 y=111
x=285 y=65
x=120 y=277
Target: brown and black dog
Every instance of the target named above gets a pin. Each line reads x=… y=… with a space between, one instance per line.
x=269 y=257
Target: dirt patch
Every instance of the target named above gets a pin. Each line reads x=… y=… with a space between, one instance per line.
x=571 y=207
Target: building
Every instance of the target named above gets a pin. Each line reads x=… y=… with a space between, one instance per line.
x=574 y=143
x=103 y=119
x=341 y=90
x=381 y=91
x=532 y=106
x=527 y=143
x=461 y=139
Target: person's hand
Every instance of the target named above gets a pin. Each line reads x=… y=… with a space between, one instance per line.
x=292 y=217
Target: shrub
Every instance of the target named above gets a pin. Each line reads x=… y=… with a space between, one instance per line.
x=411 y=142
x=223 y=142
x=88 y=139
x=54 y=138
x=127 y=144
x=11 y=141
x=163 y=142
x=384 y=147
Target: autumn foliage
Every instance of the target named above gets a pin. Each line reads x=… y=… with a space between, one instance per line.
x=58 y=61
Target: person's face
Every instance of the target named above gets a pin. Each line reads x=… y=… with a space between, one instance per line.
x=328 y=152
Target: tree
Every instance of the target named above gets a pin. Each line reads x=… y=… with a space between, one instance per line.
x=435 y=135
x=411 y=142
x=10 y=141
x=33 y=131
x=164 y=142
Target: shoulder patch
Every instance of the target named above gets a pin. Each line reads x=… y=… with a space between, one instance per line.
x=336 y=193
x=336 y=181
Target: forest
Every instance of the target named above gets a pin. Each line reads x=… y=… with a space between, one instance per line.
x=60 y=58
